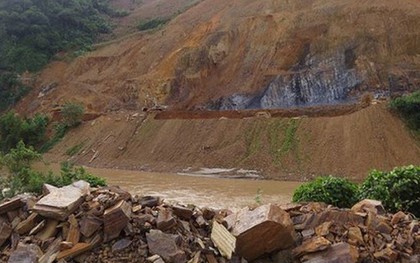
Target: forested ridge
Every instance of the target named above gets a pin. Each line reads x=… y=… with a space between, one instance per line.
x=33 y=31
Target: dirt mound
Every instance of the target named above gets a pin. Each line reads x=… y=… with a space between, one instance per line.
x=281 y=148
x=222 y=54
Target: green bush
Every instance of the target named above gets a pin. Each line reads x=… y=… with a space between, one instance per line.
x=70 y=173
x=331 y=190
x=151 y=24
x=32 y=131
x=11 y=90
x=409 y=108
x=72 y=114
x=398 y=189
x=22 y=178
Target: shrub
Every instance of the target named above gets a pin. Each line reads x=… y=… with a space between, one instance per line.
x=409 y=108
x=72 y=114
x=150 y=24
x=398 y=189
x=70 y=173
x=32 y=131
x=336 y=191
x=21 y=178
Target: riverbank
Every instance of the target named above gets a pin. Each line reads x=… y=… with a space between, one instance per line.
x=211 y=192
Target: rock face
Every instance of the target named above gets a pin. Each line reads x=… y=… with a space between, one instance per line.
x=315 y=82
x=254 y=231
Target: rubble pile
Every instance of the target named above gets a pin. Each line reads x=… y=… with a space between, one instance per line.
x=78 y=223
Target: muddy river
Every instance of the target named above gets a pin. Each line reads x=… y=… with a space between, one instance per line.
x=201 y=191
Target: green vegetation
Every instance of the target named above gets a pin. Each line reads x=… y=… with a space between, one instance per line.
x=11 y=90
x=72 y=114
x=339 y=192
x=32 y=131
x=409 y=108
x=398 y=189
x=22 y=178
x=151 y=24
x=253 y=139
x=32 y=32
x=72 y=151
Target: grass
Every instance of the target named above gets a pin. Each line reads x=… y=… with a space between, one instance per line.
x=72 y=151
x=280 y=146
x=253 y=140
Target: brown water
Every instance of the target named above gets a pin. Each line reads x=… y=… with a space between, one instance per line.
x=200 y=191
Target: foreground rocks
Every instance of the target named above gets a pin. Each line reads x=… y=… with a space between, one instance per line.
x=81 y=224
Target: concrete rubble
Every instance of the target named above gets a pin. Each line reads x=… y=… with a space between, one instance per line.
x=77 y=223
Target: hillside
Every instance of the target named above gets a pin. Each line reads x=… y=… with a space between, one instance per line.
x=315 y=58
x=279 y=148
x=248 y=54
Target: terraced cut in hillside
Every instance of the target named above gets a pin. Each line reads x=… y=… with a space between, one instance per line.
x=279 y=148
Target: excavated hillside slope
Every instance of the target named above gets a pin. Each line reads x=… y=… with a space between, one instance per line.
x=279 y=148
x=242 y=54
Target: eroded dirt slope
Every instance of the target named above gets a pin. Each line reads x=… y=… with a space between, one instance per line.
x=280 y=148
x=240 y=54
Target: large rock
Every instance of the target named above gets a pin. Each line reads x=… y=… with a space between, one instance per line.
x=368 y=205
x=116 y=219
x=263 y=230
x=337 y=253
x=61 y=202
x=25 y=254
x=165 y=246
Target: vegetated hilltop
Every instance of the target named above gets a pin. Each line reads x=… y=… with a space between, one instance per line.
x=249 y=54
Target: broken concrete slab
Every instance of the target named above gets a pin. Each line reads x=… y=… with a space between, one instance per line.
x=254 y=230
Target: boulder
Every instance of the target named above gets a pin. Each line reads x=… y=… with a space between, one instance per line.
x=25 y=254
x=368 y=205
x=254 y=231
x=61 y=202
x=337 y=253
x=165 y=246
x=115 y=219
x=165 y=220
